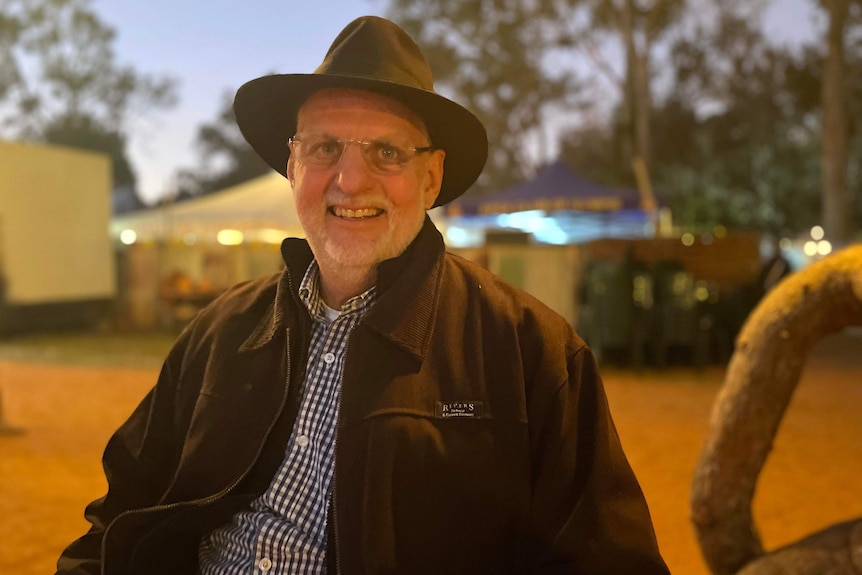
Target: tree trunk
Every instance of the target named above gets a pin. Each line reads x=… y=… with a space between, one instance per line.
x=835 y=195
x=761 y=378
x=628 y=145
x=637 y=100
x=642 y=104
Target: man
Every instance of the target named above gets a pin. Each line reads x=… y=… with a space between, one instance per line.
x=381 y=406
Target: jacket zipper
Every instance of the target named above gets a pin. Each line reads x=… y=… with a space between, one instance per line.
x=335 y=481
x=335 y=461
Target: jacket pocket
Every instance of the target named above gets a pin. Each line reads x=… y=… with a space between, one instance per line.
x=432 y=494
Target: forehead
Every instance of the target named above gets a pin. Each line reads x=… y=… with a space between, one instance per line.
x=357 y=104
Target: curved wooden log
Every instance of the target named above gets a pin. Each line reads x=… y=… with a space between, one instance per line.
x=836 y=550
x=762 y=375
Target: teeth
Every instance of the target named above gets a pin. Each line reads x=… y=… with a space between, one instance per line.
x=360 y=213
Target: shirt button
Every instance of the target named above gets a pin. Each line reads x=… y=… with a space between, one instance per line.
x=329 y=358
x=303 y=441
x=265 y=564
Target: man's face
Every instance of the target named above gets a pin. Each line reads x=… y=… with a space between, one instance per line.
x=352 y=214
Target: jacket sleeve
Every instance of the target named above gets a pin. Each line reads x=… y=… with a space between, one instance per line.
x=589 y=512
x=138 y=461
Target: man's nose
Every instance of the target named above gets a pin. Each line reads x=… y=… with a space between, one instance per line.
x=354 y=171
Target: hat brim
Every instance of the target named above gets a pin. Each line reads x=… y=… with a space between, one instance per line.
x=266 y=109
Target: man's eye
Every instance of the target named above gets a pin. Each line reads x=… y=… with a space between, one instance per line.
x=389 y=153
x=325 y=149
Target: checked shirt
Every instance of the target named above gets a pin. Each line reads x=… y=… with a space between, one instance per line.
x=284 y=531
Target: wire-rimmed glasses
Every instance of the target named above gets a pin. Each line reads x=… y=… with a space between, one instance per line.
x=323 y=152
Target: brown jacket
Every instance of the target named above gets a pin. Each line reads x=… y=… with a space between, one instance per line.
x=474 y=434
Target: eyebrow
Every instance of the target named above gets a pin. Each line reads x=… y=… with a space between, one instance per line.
x=395 y=141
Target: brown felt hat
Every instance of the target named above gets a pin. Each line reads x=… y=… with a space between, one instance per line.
x=371 y=54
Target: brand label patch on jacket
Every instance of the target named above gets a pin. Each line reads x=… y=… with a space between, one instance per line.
x=460 y=409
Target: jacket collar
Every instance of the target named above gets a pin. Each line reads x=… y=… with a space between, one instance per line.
x=408 y=288
x=408 y=293
x=297 y=257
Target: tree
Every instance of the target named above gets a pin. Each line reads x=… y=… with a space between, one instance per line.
x=836 y=195
x=639 y=24
x=506 y=61
x=728 y=125
x=730 y=141
x=226 y=159
x=60 y=82
x=749 y=157
x=738 y=125
x=517 y=64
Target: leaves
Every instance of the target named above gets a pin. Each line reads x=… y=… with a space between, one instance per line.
x=751 y=158
x=499 y=58
x=226 y=159
x=734 y=141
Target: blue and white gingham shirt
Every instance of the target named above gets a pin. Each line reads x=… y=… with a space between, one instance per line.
x=284 y=531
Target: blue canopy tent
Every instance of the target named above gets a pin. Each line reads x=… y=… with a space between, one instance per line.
x=557 y=206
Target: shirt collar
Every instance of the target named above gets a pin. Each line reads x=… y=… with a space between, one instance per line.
x=404 y=315
x=309 y=294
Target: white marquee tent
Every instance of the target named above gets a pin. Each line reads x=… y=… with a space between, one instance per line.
x=179 y=256
x=261 y=209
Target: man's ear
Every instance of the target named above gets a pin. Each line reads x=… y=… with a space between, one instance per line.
x=289 y=172
x=435 y=177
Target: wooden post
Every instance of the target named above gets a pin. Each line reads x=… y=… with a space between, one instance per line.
x=5 y=428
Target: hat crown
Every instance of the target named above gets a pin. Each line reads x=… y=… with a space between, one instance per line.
x=375 y=48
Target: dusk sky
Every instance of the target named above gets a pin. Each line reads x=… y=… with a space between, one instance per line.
x=215 y=46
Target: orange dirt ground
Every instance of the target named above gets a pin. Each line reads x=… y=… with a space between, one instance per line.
x=811 y=479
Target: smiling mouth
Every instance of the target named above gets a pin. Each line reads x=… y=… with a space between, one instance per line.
x=359 y=214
